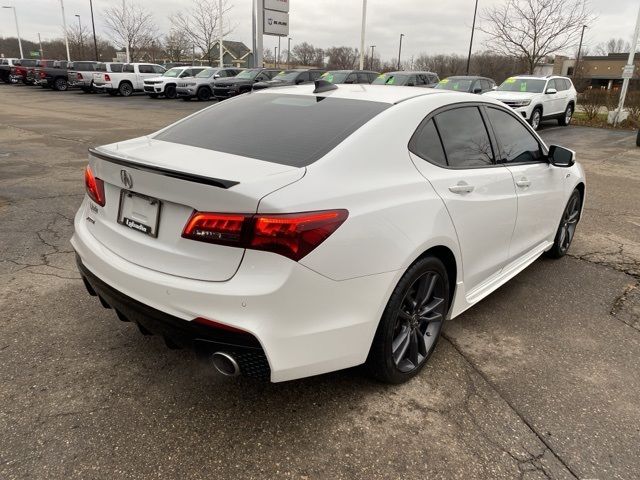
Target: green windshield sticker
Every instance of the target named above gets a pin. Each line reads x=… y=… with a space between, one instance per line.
x=523 y=87
x=391 y=80
x=381 y=75
x=510 y=80
x=456 y=86
x=328 y=77
x=445 y=81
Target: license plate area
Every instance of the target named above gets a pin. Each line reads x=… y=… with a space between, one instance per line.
x=139 y=212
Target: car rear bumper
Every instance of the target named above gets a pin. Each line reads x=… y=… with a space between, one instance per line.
x=305 y=323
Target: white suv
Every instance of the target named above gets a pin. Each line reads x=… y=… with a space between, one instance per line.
x=166 y=83
x=539 y=98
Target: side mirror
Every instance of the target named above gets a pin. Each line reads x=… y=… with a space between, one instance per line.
x=561 y=157
x=494 y=88
x=216 y=75
x=477 y=90
x=551 y=91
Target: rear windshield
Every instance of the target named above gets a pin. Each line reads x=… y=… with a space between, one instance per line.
x=206 y=73
x=335 y=77
x=391 y=79
x=293 y=130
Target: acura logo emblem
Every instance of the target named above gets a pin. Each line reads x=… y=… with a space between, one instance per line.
x=126 y=178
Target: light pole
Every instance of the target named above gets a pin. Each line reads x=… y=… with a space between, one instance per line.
x=289 y=53
x=81 y=39
x=628 y=71
x=15 y=17
x=473 y=29
x=373 y=47
x=362 y=34
x=40 y=43
x=64 y=29
x=221 y=36
x=575 y=67
x=400 y=50
x=93 y=25
x=279 y=52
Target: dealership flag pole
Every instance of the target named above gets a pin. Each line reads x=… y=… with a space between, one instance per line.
x=15 y=17
x=259 y=33
x=221 y=36
x=628 y=71
x=362 y=34
x=64 y=26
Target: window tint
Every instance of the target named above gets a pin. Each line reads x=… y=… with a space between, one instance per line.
x=465 y=138
x=315 y=74
x=426 y=144
x=352 y=78
x=516 y=142
x=118 y=67
x=145 y=69
x=363 y=77
x=563 y=84
x=158 y=69
x=486 y=85
x=303 y=77
x=291 y=130
x=422 y=80
x=372 y=77
x=551 y=84
x=127 y=68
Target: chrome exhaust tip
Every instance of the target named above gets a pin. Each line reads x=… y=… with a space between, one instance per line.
x=225 y=364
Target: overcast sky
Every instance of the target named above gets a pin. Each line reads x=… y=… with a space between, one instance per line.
x=432 y=27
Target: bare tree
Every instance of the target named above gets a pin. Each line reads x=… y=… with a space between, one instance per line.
x=177 y=45
x=305 y=53
x=200 y=24
x=80 y=42
x=613 y=45
x=131 y=25
x=534 y=29
x=342 y=58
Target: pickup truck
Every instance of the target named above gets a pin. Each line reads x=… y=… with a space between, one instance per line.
x=53 y=76
x=130 y=80
x=166 y=83
x=80 y=74
x=20 y=69
x=6 y=64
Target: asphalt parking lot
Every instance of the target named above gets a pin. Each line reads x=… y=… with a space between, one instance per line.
x=540 y=380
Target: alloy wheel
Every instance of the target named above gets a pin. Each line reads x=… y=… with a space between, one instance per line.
x=569 y=223
x=535 y=119
x=419 y=321
x=568 y=115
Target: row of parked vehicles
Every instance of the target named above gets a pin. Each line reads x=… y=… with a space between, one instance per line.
x=536 y=98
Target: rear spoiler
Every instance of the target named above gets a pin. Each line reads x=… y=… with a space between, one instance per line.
x=188 y=177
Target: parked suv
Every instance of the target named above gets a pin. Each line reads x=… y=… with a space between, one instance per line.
x=290 y=77
x=6 y=64
x=129 y=80
x=242 y=83
x=350 y=76
x=539 y=98
x=167 y=82
x=408 y=79
x=468 y=84
x=201 y=86
x=80 y=74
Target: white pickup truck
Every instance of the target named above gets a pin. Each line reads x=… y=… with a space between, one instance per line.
x=130 y=80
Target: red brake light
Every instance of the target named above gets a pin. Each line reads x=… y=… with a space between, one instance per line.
x=43 y=75
x=107 y=78
x=94 y=186
x=79 y=76
x=291 y=235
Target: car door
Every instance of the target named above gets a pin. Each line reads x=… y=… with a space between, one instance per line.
x=538 y=185
x=552 y=101
x=363 y=78
x=453 y=151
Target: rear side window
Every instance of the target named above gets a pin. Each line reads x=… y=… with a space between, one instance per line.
x=146 y=69
x=426 y=144
x=516 y=142
x=315 y=74
x=118 y=68
x=293 y=130
x=127 y=68
x=465 y=138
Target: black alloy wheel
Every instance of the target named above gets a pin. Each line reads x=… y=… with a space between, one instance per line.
x=412 y=322
x=126 y=89
x=567 y=229
x=60 y=84
x=170 y=92
x=204 y=94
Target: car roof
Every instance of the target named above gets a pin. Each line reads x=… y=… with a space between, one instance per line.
x=372 y=93
x=469 y=77
x=409 y=72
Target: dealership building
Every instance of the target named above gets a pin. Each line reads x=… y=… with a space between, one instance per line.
x=600 y=71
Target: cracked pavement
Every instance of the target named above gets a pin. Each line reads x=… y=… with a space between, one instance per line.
x=538 y=381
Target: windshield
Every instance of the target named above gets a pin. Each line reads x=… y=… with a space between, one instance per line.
x=391 y=79
x=335 y=77
x=208 y=73
x=173 y=72
x=528 y=85
x=457 y=84
x=248 y=74
x=286 y=76
x=307 y=127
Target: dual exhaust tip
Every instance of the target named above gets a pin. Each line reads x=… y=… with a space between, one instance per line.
x=225 y=364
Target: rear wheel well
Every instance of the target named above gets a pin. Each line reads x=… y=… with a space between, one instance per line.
x=580 y=187
x=446 y=256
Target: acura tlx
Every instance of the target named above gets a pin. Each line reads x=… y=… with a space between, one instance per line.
x=300 y=230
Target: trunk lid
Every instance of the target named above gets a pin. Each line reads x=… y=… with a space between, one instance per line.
x=183 y=179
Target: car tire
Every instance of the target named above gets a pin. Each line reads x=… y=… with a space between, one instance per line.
x=567 y=228
x=125 y=89
x=409 y=330
x=638 y=139
x=536 y=118
x=565 y=120
x=170 y=92
x=204 y=94
x=60 y=84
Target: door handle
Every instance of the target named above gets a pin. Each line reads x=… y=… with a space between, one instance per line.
x=524 y=182
x=462 y=188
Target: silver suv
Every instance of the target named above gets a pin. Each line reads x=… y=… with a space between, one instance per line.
x=201 y=86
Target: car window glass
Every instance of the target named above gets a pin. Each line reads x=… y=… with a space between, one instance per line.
x=421 y=80
x=516 y=142
x=351 y=78
x=127 y=68
x=145 y=69
x=118 y=67
x=363 y=77
x=303 y=77
x=315 y=74
x=372 y=77
x=551 y=84
x=411 y=80
x=465 y=138
x=566 y=84
x=426 y=144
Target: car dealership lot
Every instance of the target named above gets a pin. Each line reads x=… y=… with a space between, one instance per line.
x=538 y=379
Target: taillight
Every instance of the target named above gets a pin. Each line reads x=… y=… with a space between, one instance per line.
x=43 y=75
x=94 y=186
x=79 y=76
x=107 y=78
x=292 y=235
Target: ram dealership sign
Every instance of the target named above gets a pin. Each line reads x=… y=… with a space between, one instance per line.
x=276 y=17
x=279 y=5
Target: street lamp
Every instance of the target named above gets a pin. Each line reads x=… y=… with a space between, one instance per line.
x=289 y=53
x=400 y=49
x=93 y=25
x=362 y=33
x=575 y=67
x=64 y=27
x=15 y=16
x=473 y=29
x=81 y=39
x=373 y=47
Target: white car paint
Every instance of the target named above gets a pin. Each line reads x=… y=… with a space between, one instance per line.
x=321 y=313
x=111 y=81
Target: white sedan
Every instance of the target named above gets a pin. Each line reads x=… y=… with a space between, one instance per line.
x=301 y=230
